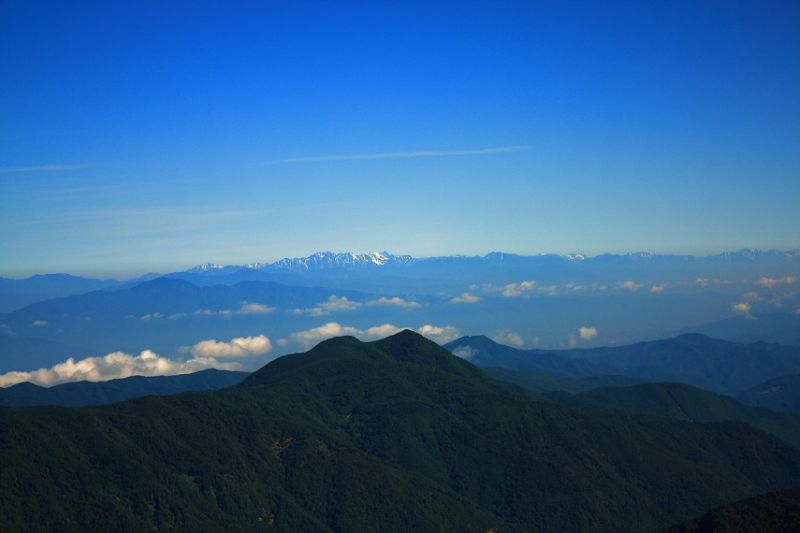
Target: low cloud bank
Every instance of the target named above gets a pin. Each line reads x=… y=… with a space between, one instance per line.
x=114 y=365
x=312 y=336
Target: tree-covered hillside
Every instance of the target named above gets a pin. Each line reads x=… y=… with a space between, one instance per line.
x=390 y=435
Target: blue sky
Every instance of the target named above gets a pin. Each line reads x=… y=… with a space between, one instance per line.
x=154 y=136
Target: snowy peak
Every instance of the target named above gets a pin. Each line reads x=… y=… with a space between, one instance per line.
x=330 y=260
x=206 y=267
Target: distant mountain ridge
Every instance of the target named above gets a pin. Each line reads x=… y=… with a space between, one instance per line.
x=404 y=272
x=116 y=390
x=716 y=365
x=327 y=259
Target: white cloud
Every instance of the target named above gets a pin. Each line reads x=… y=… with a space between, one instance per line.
x=40 y=323
x=657 y=289
x=379 y=332
x=246 y=308
x=312 y=336
x=254 y=309
x=771 y=282
x=113 y=366
x=394 y=301
x=465 y=298
x=509 y=338
x=513 y=290
x=151 y=316
x=282 y=342
x=235 y=348
x=5 y=329
x=742 y=308
x=701 y=282
x=439 y=334
x=333 y=304
x=587 y=333
x=630 y=285
x=465 y=352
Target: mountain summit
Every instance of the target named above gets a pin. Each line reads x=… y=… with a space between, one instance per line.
x=356 y=436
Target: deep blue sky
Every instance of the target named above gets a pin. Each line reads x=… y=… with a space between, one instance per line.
x=154 y=136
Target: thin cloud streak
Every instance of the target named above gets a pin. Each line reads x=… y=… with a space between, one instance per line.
x=39 y=168
x=400 y=155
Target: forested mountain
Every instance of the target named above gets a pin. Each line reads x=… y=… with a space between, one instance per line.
x=779 y=394
x=358 y=436
x=682 y=402
x=776 y=512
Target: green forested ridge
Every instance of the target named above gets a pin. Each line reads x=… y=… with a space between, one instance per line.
x=779 y=394
x=684 y=402
x=391 y=435
x=546 y=382
x=774 y=512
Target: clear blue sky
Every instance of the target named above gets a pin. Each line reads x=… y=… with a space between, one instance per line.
x=157 y=135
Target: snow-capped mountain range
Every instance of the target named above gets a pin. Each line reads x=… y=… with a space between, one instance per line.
x=337 y=260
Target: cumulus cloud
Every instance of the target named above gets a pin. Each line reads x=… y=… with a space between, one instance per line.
x=465 y=352
x=742 y=308
x=312 y=336
x=657 y=289
x=151 y=316
x=509 y=338
x=587 y=333
x=701 y=282
x=395 y=302
x=114 y=365
x=333 y=304
x=514 y=290
x=630 y=285
x=40 y=323
x=439 y=334
x=379 y=332
x=465 y=298
x=246 y=308
x=771 y=282
x=235 y=348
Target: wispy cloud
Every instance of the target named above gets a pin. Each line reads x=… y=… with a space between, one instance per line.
x=39 y=168
x=407 y=155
